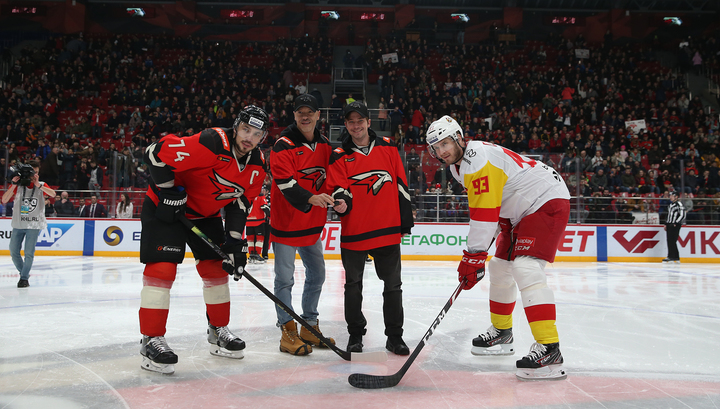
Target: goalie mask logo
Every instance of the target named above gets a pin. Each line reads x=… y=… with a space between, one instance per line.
x=225 y=188
x=29 y=204
x=316 y=175
x=374 y=180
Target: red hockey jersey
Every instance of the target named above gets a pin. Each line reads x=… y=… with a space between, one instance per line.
x=205 y=165
x=381 y=209
x=299 y=172
x=257 y=212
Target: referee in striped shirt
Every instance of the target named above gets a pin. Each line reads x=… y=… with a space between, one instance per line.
x=675 y=219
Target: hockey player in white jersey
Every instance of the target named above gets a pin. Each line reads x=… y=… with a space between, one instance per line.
x=526 y=205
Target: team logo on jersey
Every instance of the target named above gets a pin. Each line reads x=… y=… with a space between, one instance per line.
x=316 y=174
x=470 y=153
x=225 y=188
x=374 y=180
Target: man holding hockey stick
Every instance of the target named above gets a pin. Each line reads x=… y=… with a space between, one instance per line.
x=529 y=203
x=197 y=176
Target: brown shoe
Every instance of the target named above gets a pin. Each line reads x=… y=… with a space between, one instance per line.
x=311 y=339
x=290 y=342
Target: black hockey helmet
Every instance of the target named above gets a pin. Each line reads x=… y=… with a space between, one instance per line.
x=253 y=116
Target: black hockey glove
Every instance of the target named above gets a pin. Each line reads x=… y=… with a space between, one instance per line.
x=237 y=252
x=171 y=204
x=341 y=193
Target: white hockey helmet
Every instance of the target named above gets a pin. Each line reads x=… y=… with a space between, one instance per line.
x=442 y=128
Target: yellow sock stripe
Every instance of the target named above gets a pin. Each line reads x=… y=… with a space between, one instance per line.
x=545 y=332
x=501 y=321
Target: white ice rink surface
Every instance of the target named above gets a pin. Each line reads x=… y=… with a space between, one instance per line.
x=632 y=335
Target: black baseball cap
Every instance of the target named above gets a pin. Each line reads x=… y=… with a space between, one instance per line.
x=306 y=100
x=358 y=107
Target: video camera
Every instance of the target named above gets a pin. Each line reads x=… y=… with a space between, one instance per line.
x=25 y=171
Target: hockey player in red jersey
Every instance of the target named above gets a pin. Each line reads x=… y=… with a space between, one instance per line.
x=368 y=180
x=197 y=176
x=298 y=213
x=528 y=203
x=255 y=228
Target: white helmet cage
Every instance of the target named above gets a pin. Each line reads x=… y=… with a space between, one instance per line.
x=441 y=129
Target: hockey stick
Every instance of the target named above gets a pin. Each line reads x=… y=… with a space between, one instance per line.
x=365 y=381
x=379 y=356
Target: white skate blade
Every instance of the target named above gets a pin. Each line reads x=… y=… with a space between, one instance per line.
x=225 y=353
x=545 y=373
x=149 y=365
x=498 y=350
x=377 y=356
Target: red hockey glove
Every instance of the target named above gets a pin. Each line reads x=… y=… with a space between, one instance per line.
x=472 y=268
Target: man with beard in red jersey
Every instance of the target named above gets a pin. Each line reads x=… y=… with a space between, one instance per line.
x=197 y=176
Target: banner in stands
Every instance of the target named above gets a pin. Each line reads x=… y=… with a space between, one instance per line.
x=635 y=126
x=390 y=57
x=615 y=243
x=582 y=53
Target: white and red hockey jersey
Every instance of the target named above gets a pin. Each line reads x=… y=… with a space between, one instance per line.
x=503 y=184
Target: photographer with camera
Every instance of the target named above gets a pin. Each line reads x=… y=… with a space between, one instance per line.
x=28 y=215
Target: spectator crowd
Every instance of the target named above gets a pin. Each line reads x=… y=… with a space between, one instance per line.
x=87 y=107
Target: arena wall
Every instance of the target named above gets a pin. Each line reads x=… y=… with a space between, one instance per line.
x=634 y=243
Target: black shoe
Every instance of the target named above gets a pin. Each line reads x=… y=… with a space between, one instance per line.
x=355 y=343
x=396 y=345
x=23 y=283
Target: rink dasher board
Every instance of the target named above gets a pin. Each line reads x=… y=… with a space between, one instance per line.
x=428 y=241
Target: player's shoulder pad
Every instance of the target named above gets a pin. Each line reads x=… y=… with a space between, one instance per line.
x=257 y=158
x=217 y=140
x=384 y=141
x=324 y=139
x=336 y=154
x=283 y=143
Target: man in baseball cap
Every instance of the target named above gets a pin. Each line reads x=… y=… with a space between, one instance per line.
x=306 y=100
x=358 y=107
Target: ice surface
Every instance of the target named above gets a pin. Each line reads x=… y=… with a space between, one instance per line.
x=632 y=335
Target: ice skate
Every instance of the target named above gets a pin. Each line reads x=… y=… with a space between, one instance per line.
x=494 y=342
x=544 y=362
x=224 y=343
x=259 y=259
x=667 y=260
x=157 y=355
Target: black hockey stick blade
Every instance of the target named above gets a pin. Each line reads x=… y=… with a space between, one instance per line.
x=378 y=356
x=365 y=381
